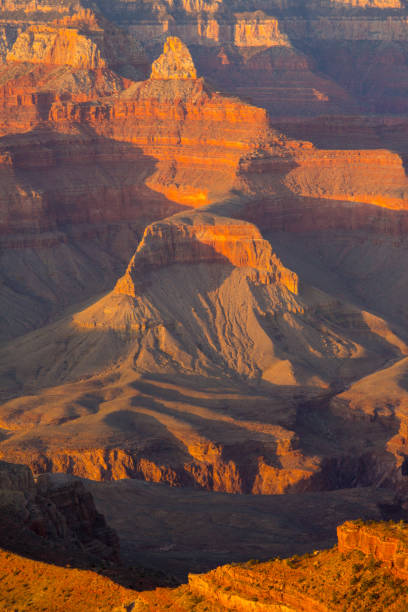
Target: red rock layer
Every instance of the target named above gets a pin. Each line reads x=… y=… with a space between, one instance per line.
x=76 y=179
x=386 y=542
x=205 y=238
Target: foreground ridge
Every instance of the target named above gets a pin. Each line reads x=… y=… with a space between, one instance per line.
x=351 y=577
x=366 y=571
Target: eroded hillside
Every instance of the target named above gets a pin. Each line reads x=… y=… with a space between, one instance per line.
x=188 y=291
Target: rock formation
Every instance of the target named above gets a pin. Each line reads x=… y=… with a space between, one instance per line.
x=386 y=542
x=41 y=44
x=256 y=253
x=318 y=582
x=175 y=62
x=53 y=511
x=204 y=238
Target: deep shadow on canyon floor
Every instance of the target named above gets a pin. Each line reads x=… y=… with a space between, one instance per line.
x=182 y=530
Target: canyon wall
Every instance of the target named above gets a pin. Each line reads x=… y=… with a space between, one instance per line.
x=207 y=239
x=101 y=166
x=53 y=509
x=386 y=542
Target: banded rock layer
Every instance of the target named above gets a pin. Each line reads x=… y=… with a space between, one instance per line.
x=213 y=361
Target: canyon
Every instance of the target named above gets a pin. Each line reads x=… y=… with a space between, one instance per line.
x=203 y=220
x=215 y=358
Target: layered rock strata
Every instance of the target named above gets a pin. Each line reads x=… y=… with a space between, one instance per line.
x=160 y=147
x=201 y=239
x=205 y=295
x=319 y=582
x=386 y=542
x=175 y=62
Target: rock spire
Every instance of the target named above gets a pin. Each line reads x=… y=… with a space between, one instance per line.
x=175 y=62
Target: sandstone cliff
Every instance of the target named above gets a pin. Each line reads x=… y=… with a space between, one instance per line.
x=40 y=44
x=386 y=542
x=200 y=239
x=82 y=40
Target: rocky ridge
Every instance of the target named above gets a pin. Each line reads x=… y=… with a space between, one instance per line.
x=386 y=542
x=52 y=510
x=199 y=239
x=319 y=582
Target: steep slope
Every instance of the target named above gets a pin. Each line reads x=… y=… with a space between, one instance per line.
x=79 y=189
x=52 y=518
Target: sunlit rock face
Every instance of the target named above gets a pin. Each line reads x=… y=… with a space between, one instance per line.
x=175 y=62
x=385 y=542
x=40 y=44
x=82 y=40
x=205 y=239
x=308 y=582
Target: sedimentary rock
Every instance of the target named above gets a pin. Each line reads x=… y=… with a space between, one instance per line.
x=201 y=239
x=318 y=582
x=175 y=62
x=97 y=157
x=386 y=542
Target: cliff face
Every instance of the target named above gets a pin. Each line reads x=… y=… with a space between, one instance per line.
x=201 y=239
x=40 y=44
x=56 y=509
x=240 y=49
x=82 y=40
x=175 y=62
x=386 y=542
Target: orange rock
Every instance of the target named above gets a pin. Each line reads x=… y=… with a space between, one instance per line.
x=204 y=238
x=175 y=62
x=387 y=542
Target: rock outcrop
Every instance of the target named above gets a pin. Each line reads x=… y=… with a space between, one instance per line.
x=47 y=45
x=56 y=509
x=175 y=62
x=202 y=239
x=323 y=581
x=81 y=40
x=386 y=542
